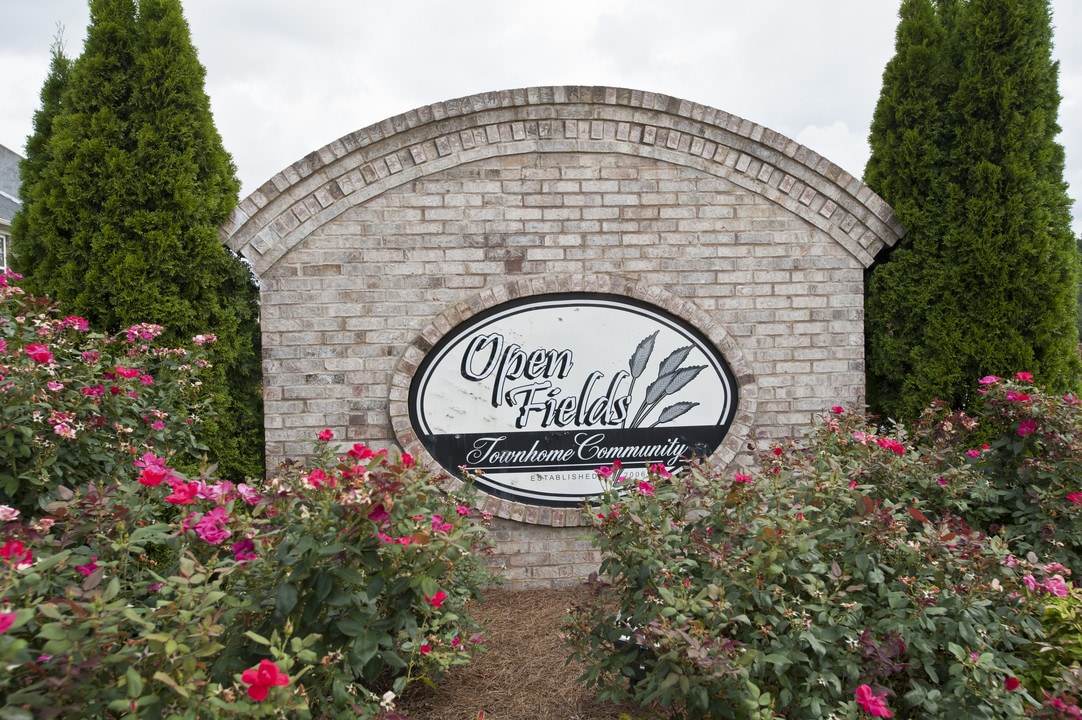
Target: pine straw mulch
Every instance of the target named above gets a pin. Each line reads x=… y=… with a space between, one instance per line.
x=523 y=675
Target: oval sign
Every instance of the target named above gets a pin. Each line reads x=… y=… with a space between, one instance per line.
x=538 y=393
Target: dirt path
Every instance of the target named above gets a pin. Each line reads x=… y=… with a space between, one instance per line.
x=524 y=674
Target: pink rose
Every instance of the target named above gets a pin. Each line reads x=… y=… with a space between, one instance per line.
x=220 y=493
x=319 y=479
x=248 y=494
x=89 y=568
x=1056 y=586
x=263 y=677
x=39 y=354
x=211 y=527
x=360 y=451
x=891 y=444
x=153 y=475
x=244 y=550
x=15 y=553
x=143 y=331
x=438 y=525
x=609 y=470
x=76 y=323
x=871 y=703
x=184 y=493
x=660 y=470
x=151 y=460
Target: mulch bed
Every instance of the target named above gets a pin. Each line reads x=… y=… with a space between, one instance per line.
x=524 y=673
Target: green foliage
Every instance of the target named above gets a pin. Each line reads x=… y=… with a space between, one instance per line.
x=379 y=563
x=1051 y=660
x=119 y=222
x=77 y=405
x=906 y=166
x=142 y=590
x=1025 y=446
x=781 y=601
x=963 y=146
x=930 y=565
x=28 y=224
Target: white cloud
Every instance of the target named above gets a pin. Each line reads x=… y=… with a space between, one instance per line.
x=286 y=78
x=838 y=143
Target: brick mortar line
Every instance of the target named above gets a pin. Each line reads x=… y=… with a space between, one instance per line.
x=323 y=205
x=768 y=145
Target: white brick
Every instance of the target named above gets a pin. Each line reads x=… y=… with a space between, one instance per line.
x=343 y=307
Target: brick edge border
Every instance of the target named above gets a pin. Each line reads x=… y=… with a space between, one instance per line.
x=427 y=140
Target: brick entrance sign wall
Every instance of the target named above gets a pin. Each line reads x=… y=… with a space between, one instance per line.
x=373 y=248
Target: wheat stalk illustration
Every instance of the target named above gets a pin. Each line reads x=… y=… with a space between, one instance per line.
x=671 y=378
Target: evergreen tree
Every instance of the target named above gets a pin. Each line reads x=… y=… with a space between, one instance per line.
x=137 y=186
x=26 y=243
x=989 y=282
x=905 y=168
x=1015 y=258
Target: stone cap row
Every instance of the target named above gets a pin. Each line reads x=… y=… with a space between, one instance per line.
x=370 y=161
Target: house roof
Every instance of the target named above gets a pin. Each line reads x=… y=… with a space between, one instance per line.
x=8 y=206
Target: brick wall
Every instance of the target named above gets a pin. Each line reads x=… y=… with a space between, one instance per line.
x=532 y=556
x=372 y=248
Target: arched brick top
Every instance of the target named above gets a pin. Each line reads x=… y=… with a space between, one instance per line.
x=739 y=430
x=366 y=163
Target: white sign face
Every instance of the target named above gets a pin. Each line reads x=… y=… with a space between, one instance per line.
x=538 y=393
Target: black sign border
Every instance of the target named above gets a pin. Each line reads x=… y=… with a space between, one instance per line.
x=493 y=488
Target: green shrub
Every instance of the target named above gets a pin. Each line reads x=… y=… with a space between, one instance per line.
x=1053 y=663
x=857 y=572
x=77 y=405
x=784 y=597
x=353 y=578
x=1026 y=445
x=142 y=590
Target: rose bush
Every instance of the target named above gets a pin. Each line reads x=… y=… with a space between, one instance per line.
x=1026 y=445
x=920 y=573
x=149 y=589
x=352 y=577
x=76 y=405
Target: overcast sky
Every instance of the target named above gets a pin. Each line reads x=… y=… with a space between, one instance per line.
x=286 y=77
